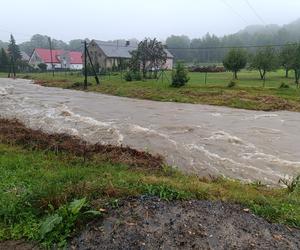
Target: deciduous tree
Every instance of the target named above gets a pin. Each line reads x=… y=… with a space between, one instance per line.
x=235 y=60
x=264 y=60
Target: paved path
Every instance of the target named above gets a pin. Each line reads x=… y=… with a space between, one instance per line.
x=249 y=145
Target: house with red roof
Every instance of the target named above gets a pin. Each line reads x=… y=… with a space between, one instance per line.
x=60 y=59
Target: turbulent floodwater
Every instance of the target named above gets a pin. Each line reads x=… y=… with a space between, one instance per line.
x=201 y=139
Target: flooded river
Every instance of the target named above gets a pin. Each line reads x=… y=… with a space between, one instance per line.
x=247 y=145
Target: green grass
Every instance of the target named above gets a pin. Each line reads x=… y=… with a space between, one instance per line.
x=248 y=93
x=38 y=186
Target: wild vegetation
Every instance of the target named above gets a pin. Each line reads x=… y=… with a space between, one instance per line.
x=47 y=191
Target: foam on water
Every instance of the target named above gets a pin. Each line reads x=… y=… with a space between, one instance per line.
x=241 y=144
x=261 y=116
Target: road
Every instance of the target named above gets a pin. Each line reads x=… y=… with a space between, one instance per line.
x=201 y=139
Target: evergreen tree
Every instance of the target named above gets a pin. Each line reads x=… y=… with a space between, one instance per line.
x=14 y=50
x=4 y=61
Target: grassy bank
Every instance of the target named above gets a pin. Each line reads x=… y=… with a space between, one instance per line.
x=248 y=93
x=38 y=185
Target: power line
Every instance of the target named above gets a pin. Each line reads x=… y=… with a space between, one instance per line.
x=232 y=47
x=234 y=11
x=255 y=12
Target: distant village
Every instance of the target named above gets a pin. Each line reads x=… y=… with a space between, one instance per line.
x=106 y=55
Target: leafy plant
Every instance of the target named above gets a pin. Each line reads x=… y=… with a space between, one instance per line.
x=291 y=184
x=57 y=227
x=166 y=193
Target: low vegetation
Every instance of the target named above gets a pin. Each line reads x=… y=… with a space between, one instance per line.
x=46 y=193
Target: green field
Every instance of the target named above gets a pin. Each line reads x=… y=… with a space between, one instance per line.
x=248 y=93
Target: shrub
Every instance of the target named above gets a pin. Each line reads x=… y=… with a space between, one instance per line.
x=231 y=84
x=180 y=76
x=42 y=66
x=291 y=184
x=284 y=86
x=131 y=76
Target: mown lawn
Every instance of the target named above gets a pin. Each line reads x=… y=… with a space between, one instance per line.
x=36 y=188
x=248 y=93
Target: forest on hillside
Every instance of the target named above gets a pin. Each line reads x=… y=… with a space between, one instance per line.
x=207 y=49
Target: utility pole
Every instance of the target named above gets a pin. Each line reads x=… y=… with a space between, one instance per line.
x=12 y=70
x=93 y=68
x=85 y=65
x=50 y=46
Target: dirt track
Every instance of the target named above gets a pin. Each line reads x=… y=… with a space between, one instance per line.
x=148 y=223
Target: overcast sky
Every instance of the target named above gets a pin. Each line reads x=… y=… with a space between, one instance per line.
x=114 y=19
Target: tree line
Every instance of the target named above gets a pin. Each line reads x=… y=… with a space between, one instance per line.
x=265 y=60
x=203 y=50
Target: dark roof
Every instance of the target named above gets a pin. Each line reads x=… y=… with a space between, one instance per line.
x=114 y=49
x=120 y=49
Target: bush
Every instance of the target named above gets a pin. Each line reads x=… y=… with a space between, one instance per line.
x=284 y=86
x=128 y=76
x=180 y=76
x=231 y=84
x=42 y=66
x=131 y=76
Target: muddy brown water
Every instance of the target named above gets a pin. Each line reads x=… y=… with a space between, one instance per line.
x=201 y=139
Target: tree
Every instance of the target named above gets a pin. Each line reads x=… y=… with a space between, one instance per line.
x=235 y=60
x=14 y=50
x=179 y=75
x=175 y=42
x=150 y=54
x=264 y=60
x=295 y=63
x=286 y=57
x=4 y=61
x=76 y=45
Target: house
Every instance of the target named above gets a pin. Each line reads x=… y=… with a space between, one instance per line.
x=61 y=59
x=24 y=56
x=108 y=55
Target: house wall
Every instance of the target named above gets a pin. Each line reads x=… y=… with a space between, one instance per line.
x=76 y=66
x=35 y=60
x=169 y=64
x=97 y=55
x=56 y=66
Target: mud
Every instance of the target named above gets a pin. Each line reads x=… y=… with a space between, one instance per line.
x=149 y=223
x=13 y=131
